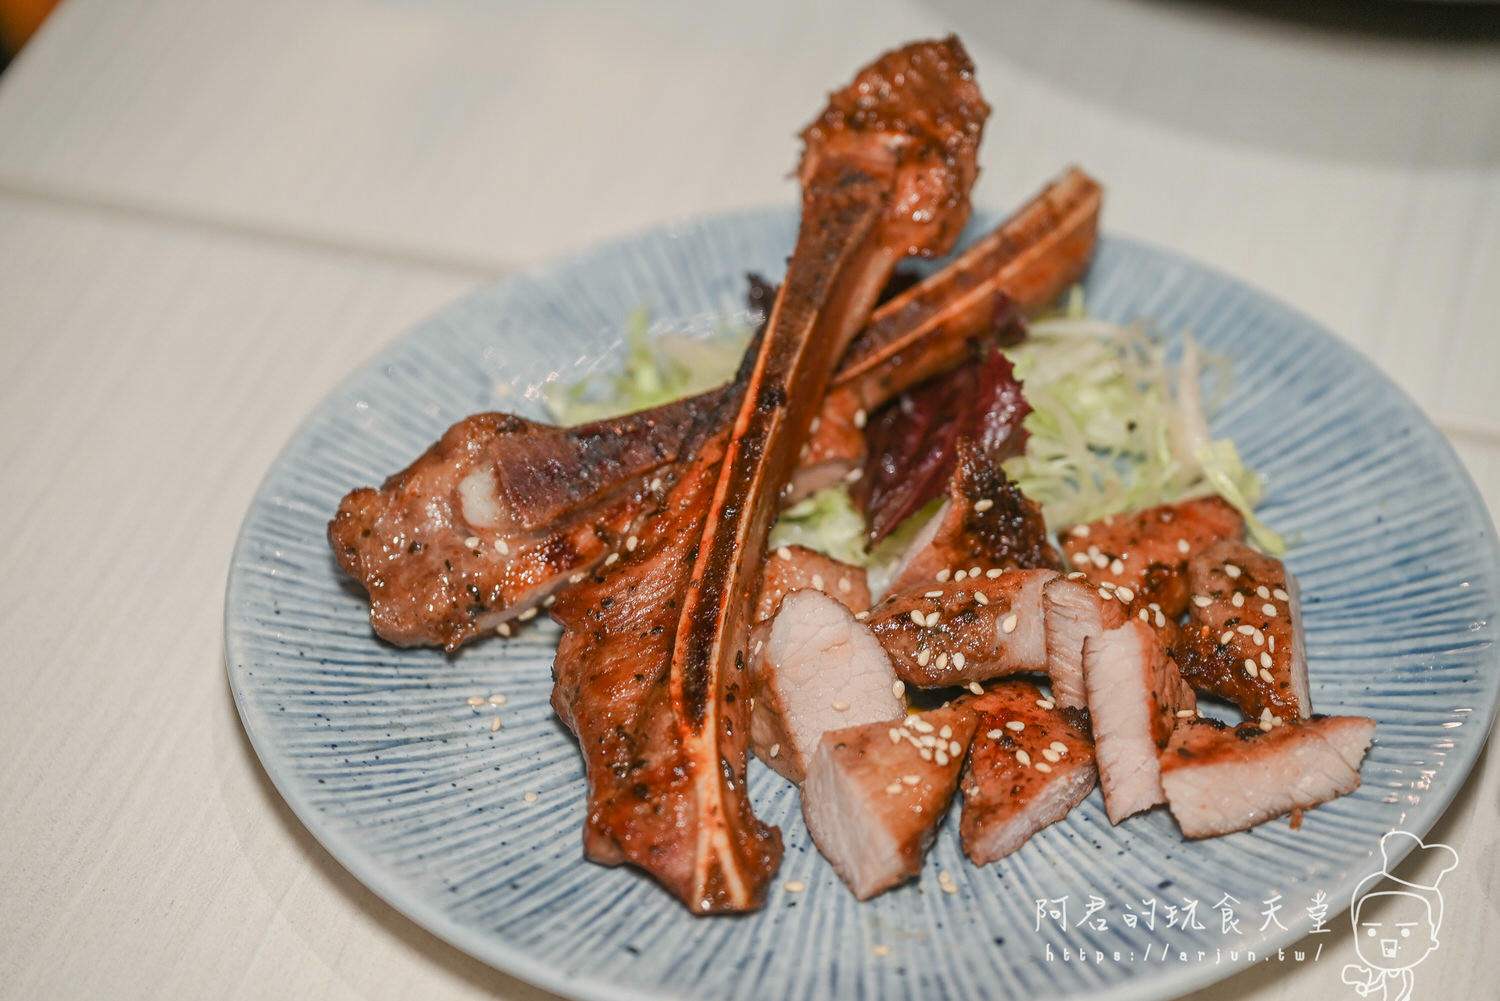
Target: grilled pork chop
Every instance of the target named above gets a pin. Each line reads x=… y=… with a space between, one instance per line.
x=1145 y=554
x=963 y=632
x=1030 y=763
x=985 y=524
x=793 y=568
x=885 y=172
x=1219 y=779
x=549 y=503
x=1135 y=695
x=1244 y=638
x=875 y=793
x=814 y=668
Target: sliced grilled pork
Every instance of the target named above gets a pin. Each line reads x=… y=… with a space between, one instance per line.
x=961 y=632
x=875 y=793
x=815 y=668
x=1145 y=554
x=1030 y=763
x=1244 y=638
x=986 y=523
x=793 y=568
x=1219 y=779
x=1134 y=697
x=1074 y=610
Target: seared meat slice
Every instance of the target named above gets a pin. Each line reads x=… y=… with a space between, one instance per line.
x=638 y=726
x=1219 y=779
x=1145 y=554
x=985 y=626
x=1031 y=762
x=1022 y=265
x=986 y=523
x=793 y=568
x=1135 y=696
x=875 y=793
x=1075 y=610
x=487 y=522
x=814 y=668
x=1244 y=638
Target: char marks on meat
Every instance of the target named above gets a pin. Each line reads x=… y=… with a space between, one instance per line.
x=885 y=173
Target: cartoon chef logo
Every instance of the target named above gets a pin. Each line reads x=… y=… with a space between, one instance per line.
x=1396 y=926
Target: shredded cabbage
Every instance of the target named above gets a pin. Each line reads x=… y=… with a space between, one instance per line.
x=829 y=522
x=658 y=369
x=1115 y=427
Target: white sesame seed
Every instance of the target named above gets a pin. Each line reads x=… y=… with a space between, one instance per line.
x=494 y=724
x=895 y=734
x=817 y=582
x=1015 y=725
x=1051 y=755
x=1250 y=668
x=631 y=543
x=1270 y=642
x=960 y=574
x=911 y=780
x=784 y=553
x=1265 y=713
x=945 y=732
x=1263 y=591
x=1108 y=585
x=1265 y=659
x=1245 y=630
x=502 y=547
x=1267 y=726
x=1266 y=677
x=838 y=706
x=1023 y=757
x=1144 y=616
x=940 y=756
x=1237 y=600
x=1077 y=575
x=1202 y=600
x=1059 y=747
x=943 y=574
x=995 y=734
x=1269 y=609
x=655 y=484
x=1101 y=561
x=1009 y=623
x=1042 y=766
x=921 y=725
x=898 y=688
x=918 y=617
x=1183 y=547
x=981 y=597
x=942 y=660
x=527 y=615
x=497 y=699
x=1259 y=638
x=1092 y=552
x=861 y=418
x=1185 y=714
x=549 y=601
x=955 y=748
x=933 y=594
x=1116 y=566
x=1105 y=594
x=983 y=505
x=576 y=577
x=475 y=700
x=1281 y=595
x=893 y=788
x=925 y=754
x=958 y=661
x=974 y=571
x=844 y=585
x=611 y=559
x=530 y=796
x=503 y=629
x=1161 y=619
x=472 y=542
x=1226 y=636
x=775 y=750
x=932 y=619
x=1232 y=570
x=1081 y=531
x=1125 y=594
x=1046 y=703
x=795 y=886
x=924 y=655
x=853 y=476
x=976 y=688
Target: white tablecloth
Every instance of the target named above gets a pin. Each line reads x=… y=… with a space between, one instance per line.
x=210 y=210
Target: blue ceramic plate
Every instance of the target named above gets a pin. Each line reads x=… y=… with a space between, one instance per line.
x=377 y=751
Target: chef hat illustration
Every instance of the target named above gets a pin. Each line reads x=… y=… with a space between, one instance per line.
x=1437 y=860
